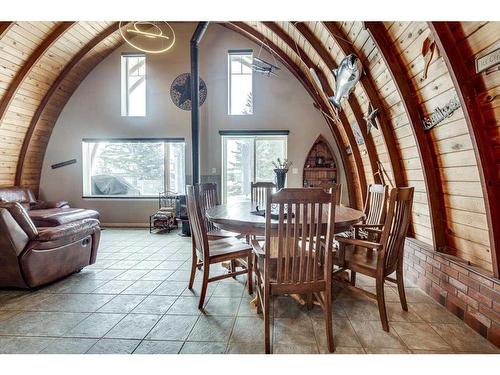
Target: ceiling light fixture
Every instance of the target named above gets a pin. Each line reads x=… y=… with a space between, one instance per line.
x=148 y=36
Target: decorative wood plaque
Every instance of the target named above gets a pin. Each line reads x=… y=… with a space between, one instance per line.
x=488 y=61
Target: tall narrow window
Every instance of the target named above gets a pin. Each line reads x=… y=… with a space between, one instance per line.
x=134 y=85
x=240 y=82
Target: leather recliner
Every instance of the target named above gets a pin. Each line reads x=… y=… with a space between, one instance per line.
x=45 y=214
x=31 y=256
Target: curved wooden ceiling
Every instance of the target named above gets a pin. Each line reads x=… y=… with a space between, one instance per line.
x=454 y=167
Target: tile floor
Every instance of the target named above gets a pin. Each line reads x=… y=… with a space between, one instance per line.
x=135 y=300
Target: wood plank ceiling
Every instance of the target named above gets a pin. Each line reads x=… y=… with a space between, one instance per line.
x=453 y=167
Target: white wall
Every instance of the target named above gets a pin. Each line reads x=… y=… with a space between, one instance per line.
x=94 y=112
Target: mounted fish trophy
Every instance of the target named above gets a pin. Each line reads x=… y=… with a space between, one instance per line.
x=346 y=76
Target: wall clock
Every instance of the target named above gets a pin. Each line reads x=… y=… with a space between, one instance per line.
x=180 y=91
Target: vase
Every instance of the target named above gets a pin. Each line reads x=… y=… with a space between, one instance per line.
x=280 y=178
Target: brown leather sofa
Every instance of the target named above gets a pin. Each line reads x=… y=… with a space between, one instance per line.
x=45 y=214
x=31 y=256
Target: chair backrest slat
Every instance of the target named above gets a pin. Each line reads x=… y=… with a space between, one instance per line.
x=395 y=228
x=208 y=198
x=258 y=192
x=197 y=222
x=299 y=238
x=376 y=204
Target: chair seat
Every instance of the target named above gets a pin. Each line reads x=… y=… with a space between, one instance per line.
x=360 y=259
x=228 y=248
x=216 y=234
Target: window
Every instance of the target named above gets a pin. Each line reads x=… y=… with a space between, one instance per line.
x=240 y=82
x=132 y=167
x=134 y=85
x=246 y=159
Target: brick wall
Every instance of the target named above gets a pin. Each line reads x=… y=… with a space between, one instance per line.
x=469 y=294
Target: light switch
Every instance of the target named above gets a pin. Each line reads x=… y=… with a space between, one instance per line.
x=214 y=170
x=295 y=170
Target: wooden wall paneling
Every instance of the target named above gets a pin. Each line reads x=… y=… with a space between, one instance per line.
x=4 y=27
x=380 y=37
x=466 y=91
x=50 y=92
x=30 y=63
x=289 y=42
x=368 y=86
x=327 y=59
x=257 y=37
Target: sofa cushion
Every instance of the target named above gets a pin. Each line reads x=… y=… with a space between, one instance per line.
x=22 y=218
x=18 y=194
x=54 y=217
x=70 y=232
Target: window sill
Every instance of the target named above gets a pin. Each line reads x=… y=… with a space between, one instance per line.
x=120 y=198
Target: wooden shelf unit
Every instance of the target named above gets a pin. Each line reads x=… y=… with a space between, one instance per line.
x=324 y=175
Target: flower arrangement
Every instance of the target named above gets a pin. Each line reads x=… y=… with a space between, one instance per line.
x=285 y=164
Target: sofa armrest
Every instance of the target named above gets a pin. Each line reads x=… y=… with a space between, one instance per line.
x=42 y=205
x=68 y=232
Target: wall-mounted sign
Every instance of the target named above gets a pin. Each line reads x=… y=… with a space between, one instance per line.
x=63 y=163
x=488 y=61
x=180 y=91
x=440 y=114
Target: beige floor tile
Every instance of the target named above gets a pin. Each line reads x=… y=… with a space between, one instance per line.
x=185 y=306
x=69 y=346
x=343 y=350
x=212 y=328
x=191 y=347
x=96 y=325
x=464 y=339
x=371 y=335
x=154 y=305
x=419 y=336
x=395 y=313
x=133 y=326
x=158 y=347
x=343 y=334
x=294 y=332
x=387 y=351
x=295 y=349
x=24 y=345
x=122 y=304
x=173 y=327
x=433 y=313
x=245 y=348
x=114 y=346
x=222 y=306
x=248 y=330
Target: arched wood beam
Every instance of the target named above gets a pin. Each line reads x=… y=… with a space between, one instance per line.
x=368 y=84
x=287 y=39
x=53 y=88
x=488 y=172
x=30 y=63
x=353 y=102
x=397 y=71
x=255 y=36
x=4 y=27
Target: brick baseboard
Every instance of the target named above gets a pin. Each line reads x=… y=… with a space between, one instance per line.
x=466 y=292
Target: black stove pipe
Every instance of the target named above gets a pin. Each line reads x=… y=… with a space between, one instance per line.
x=195 y=100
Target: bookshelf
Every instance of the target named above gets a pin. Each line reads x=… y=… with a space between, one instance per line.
x=320 y=167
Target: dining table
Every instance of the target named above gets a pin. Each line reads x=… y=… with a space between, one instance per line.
x=241 y=217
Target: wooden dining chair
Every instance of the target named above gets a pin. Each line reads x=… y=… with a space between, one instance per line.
x=209 y=198
x=381 y=259
x=258 y=192
x=293 y=260
x=207 y=252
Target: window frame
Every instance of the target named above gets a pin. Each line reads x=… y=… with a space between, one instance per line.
x=86 y=170
x=124 y=78
x=238 y=52
x=254 y=135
